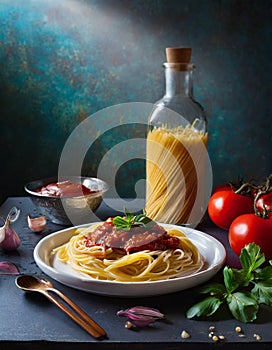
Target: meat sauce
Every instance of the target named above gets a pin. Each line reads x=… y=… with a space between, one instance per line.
x=153 y=237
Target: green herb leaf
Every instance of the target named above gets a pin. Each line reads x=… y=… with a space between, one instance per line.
x=263 y=292
x=214 y=289
x=243 y=306
x=129 y=220
x=263 y=286
x=264 y=274
x=251 y=258
x=129 y=215
x=206 y=307
x=233 y=278
x=142 y=219
x=120 y=223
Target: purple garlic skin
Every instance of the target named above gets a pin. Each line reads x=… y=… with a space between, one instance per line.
x=8 y=268
x=141 y=316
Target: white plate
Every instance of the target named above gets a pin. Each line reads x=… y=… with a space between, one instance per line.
x=212 y=250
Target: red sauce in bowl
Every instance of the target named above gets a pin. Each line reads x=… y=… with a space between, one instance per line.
x=65 y=189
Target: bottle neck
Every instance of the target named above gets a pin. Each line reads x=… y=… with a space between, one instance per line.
x=178 y=82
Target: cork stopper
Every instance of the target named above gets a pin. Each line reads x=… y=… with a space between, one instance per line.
x=178 y=54
x=178 y=58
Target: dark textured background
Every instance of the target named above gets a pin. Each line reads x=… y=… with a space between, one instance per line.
x=62 y=60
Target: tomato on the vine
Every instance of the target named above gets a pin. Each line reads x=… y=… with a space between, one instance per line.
x=223 y=187
x=264 y=202
x=250 y=228
x=226 y=205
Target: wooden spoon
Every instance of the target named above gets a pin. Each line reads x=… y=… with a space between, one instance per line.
x=41 y=285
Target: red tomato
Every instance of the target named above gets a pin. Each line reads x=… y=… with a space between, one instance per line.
x=224 y=206
x=265 y=200
x=223 y=187
x=250 y=228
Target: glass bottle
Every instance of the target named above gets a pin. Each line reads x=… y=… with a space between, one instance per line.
x=176 y=151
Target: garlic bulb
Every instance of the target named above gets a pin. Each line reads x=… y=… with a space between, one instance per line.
x=9 y=240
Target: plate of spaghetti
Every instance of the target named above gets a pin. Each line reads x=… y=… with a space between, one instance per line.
x=130 y=256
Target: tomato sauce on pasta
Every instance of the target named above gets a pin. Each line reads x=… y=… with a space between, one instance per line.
x=153 y=237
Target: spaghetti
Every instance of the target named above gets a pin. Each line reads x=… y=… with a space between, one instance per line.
x=147 y=253
x=172 y=180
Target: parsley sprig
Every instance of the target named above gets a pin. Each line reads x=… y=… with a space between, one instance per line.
x=243 y=289
x=130 y=220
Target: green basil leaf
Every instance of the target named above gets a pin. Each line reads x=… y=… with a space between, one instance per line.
x=264 y=274
x=263 y=292
x=227 y=273
x=240 y=277
x=251 y=258
x=142 y=219
x=120 y=223
x=129 y=215
x=206 y=307
x=232 y=278
x=213 y=289
x=243 y=306
x=130 y=220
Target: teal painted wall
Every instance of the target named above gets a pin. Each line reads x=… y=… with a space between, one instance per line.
x=62 y=60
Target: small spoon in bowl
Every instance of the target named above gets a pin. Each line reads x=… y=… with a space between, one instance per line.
x=41 y=285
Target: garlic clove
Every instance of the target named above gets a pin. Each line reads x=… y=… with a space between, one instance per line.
x=8 y=268
x=146 y=311
x=141 y=316
x=36 y=224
